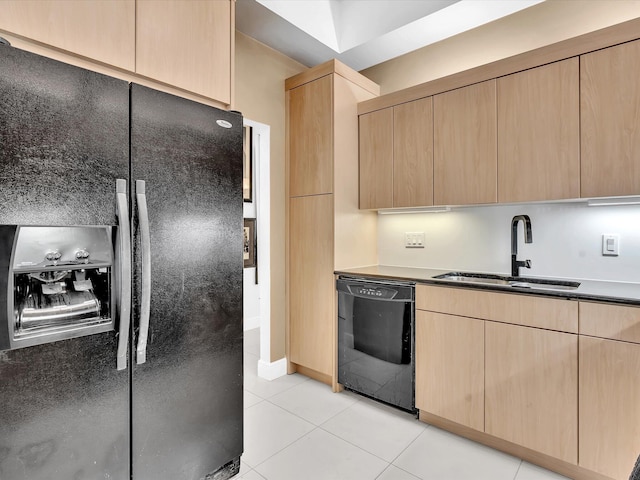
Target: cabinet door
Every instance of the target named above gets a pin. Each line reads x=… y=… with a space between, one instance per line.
x=186 y=44
x=539 y=134
x=310 y=139
x=311 y=284
x=609 y=406
x=413 y=154
x=609 y=105
x=465 y=150
x=450 y=367
x=532 y=388
x=376 y=159
x=100 y=30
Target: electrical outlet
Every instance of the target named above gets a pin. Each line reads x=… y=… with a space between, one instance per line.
x=414 y=239
x=610 y=244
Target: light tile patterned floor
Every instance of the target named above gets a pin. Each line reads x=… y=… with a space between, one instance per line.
x=296 y=428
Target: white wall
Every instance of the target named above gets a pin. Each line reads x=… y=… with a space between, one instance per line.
x=567 y=240
x=250 y=300
x=534 y=27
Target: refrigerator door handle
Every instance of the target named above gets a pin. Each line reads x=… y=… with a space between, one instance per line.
x=124 y=256
x=145 y=247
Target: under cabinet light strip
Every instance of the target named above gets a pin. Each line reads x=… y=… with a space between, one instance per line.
x=414 y=210
x=608 y=202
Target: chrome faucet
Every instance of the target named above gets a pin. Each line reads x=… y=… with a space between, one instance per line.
x=528 y=238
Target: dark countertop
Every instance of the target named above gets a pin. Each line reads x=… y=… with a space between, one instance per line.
x=602 y=291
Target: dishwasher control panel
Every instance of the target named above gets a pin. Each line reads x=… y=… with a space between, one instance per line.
x=377 y=292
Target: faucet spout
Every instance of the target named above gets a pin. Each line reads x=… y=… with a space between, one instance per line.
x=528 y=238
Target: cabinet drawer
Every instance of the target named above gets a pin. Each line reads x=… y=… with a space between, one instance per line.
x=527 y=310
x=617 y=322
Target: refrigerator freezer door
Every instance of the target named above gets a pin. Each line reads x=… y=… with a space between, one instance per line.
x=187 y=397
x=63 y=143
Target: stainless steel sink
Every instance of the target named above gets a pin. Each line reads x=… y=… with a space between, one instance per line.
x=506 y=281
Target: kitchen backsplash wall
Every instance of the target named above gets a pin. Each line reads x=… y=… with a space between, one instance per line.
x=567 y=240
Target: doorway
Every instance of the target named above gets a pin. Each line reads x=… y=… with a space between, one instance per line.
x=256 y=286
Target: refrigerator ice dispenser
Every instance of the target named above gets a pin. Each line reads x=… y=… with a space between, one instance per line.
x=58 y=283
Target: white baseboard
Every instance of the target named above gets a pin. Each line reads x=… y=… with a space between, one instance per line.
x=273 y=370
x=250 y=323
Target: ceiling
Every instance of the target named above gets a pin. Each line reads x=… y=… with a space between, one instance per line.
x=363 y=33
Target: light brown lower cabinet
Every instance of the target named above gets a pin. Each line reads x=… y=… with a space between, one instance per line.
x=494 y=367
x=609 y=406
x=311 y=284
x=531 y=382
x=450 y=367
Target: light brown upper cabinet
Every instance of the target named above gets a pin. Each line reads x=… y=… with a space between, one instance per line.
x=102 y=31
x=396 y=156
x=539 y=133
x=465 y=149
x=183 y=44
x=186 y=44
x=376 y=159
x=413 y=153
x=609 y=106
x=311 y=138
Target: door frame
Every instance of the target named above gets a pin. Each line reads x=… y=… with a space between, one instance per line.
x=261 y=209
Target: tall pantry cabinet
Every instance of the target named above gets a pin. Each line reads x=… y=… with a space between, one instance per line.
x=325 y=229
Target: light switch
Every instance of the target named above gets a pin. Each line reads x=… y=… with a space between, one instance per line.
x=414 y=239
x=610 y=244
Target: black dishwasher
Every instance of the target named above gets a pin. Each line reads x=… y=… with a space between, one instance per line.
x=376 y=339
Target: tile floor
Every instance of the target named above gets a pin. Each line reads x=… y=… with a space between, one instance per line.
x=296 y=428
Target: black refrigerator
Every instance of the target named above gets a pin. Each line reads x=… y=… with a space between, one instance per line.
x=120 y=279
